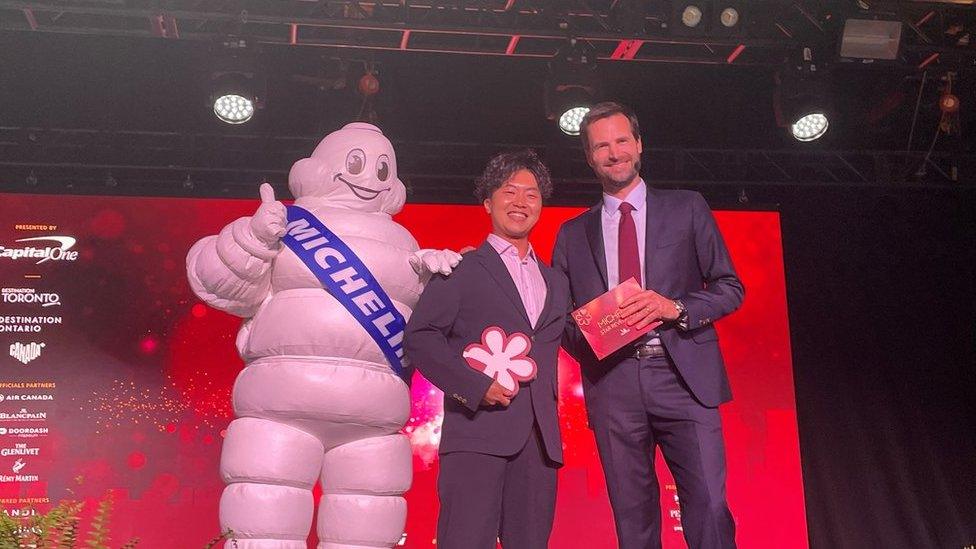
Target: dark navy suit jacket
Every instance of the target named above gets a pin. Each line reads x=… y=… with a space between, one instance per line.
x=685 y=258
x=451 y=314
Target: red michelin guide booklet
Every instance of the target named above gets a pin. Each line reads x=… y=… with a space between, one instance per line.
x=600 y=320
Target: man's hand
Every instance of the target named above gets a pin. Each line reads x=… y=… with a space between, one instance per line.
x=269 y=221
x=434 y=261
x=497 y=395
x=647 y=308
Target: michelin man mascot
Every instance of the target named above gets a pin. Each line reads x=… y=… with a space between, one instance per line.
x=325 y=287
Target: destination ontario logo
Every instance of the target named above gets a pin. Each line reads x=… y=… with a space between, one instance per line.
x=43 y=249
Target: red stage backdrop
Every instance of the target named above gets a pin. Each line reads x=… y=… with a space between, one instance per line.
x=115 y=380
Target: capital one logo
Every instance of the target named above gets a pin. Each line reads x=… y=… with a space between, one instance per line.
x=61 y=252
x=26 y=352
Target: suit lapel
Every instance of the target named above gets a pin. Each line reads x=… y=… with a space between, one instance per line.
x=547 y=308
x=594 y=235
x=654 y=228
x=496 y=268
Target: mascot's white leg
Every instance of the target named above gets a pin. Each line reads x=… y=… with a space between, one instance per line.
x=269 y=469
x=362 y=493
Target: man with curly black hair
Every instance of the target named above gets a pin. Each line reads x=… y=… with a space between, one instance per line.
x=489 y=337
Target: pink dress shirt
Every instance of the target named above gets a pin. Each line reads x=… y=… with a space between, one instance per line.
x=525 y=274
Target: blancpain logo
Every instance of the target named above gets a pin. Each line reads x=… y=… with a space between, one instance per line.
x=30 y=296
x=23 y=415
x=62 y=252
x=26 y=352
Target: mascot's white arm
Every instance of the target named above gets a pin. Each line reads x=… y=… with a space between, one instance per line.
x=427 y=262
x=232 y=270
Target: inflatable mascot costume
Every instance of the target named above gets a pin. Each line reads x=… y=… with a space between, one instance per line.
x=324 y=287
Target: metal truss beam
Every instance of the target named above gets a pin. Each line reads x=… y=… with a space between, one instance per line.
x=165 y=163
x=770 y=32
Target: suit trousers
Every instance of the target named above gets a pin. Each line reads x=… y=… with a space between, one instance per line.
x=649 y=406
x=485 y=497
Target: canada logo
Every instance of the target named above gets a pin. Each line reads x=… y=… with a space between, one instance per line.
x=502 y=357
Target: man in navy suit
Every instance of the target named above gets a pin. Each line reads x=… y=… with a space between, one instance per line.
x=664 y=390
x=501 y=311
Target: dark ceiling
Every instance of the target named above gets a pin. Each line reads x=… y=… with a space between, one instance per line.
x=105 y=107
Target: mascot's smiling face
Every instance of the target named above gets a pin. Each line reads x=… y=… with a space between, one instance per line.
x=354 y=168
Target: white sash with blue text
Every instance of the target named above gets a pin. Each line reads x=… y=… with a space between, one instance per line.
x=347 y=278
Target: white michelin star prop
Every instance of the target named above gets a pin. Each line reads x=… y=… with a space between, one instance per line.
x=502 y=357
x=317 y=400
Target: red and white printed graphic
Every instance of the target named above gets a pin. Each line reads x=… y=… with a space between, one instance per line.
x=502 y=357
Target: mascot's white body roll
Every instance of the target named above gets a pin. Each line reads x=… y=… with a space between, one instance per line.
x=317 y=398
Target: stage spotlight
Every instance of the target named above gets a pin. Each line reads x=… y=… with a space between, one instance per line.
x=234 y=97
x=805 y=113
x=810 y=126
x=237 y=83
x=801 y=100
x=729 y=17
x=707 y=17
x=691 y=16
x=570 y=120
x=233 y=108
x=571 y=86
x=802 y=106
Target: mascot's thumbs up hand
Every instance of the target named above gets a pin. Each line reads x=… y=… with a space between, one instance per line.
x=434 y=261
x=269 y=221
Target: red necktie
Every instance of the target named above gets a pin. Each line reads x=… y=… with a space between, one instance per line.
x=628 y=258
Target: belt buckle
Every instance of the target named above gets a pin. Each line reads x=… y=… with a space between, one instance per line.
x=649 y=351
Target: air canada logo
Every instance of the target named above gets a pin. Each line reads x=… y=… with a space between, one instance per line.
x=26 y=352
x=43 y=251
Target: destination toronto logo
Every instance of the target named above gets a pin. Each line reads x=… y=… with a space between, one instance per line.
x=29 y=296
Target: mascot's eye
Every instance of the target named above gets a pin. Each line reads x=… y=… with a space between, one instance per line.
x=383 y=167
x=355 y=161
